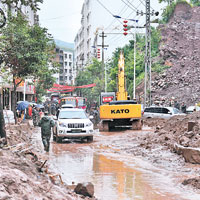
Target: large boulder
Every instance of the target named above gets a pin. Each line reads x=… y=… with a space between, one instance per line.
x=191 y=155
x=85 y=189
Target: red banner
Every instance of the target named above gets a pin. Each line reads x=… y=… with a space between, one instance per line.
x=66 y=88
x=86 y=86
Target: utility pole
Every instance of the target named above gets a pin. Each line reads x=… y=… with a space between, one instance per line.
x=134 y=86
x=148 y=56
x=102 y=47
x=147 y=81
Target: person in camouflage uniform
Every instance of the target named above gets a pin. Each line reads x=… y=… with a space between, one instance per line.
x=46 y=123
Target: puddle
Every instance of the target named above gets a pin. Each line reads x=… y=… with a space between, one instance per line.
x=113 y=179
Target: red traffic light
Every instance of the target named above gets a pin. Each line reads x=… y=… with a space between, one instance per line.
x=125 y=25
x=125 y=21
x=125 y=33
x=125 y=29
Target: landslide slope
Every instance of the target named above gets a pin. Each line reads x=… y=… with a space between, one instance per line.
x=179 y=48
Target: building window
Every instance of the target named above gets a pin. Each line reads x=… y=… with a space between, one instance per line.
x=70 y=56
x=66 y=78
x=65 y=64
x=70 y=71
x=61 y=78
x=70 y=64
x=65 y=70
x=61 y=71
x=65 y=55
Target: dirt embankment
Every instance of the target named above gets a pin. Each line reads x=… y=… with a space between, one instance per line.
x=21 y=175
x=179 y=50
x=180 y=135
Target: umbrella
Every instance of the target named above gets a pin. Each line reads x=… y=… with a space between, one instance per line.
x=22 y=105
x=39 y=106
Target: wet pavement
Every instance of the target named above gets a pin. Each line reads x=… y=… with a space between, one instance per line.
x=115 y=175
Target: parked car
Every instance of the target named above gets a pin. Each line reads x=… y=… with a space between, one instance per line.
x=191 y=109
x=73 y=123
x=161 y=112
x=9 y=116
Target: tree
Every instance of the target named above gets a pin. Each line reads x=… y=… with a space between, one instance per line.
x=44 y=81
x=91 y=74
x=17 y=4
x=24 y=50
x=195 y=2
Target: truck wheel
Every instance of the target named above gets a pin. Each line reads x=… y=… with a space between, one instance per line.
x=90 y=139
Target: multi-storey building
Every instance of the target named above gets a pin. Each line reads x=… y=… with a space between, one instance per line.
x=65 y=57
x=85 y=38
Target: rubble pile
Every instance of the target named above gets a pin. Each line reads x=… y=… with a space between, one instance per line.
x=23 y=173
x=175 y=130
x=179 y=48
x=180 y=134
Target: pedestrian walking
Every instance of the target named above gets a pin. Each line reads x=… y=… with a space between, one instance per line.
x=30 y=109
x=36 y=115
x=177 y=105
x=46 y=123
x=183 y=108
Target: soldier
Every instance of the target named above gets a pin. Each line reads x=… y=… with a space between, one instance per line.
x=36 y=116
x=46 y=123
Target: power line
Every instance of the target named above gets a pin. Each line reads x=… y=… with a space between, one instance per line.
x=145 y=5
x=130 y=6
x=119 y=14
x=107 y=9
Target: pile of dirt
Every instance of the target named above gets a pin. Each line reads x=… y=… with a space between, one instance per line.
x=180 y=135
x=179 y=50
x=21 y=175
x=176 y=130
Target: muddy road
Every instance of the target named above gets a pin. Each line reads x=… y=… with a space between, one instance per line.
x=119 y=170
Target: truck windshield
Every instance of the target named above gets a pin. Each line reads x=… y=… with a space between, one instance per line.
x=79 y=114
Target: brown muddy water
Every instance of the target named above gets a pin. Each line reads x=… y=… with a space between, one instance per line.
x=115 y=177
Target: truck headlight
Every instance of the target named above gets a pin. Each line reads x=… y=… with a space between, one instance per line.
x=88 y=124
x=61 y=124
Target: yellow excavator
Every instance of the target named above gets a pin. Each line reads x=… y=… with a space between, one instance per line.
x=121 y=112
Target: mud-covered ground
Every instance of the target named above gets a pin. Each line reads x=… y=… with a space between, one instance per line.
x=172 y=144
x=21 y=176
x=169 y=144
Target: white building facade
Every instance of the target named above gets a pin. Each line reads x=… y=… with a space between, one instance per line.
x=65 y=57
x=86 y=38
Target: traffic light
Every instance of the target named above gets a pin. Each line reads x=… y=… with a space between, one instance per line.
x=125 y=27
x=98 y=53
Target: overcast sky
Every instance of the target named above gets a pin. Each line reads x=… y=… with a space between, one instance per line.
x=63 y=17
